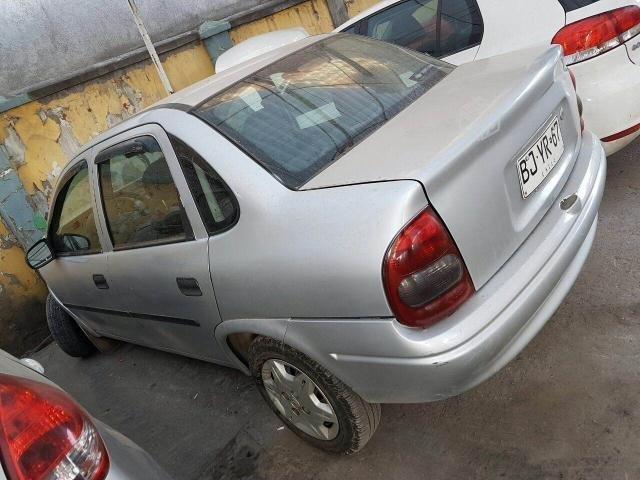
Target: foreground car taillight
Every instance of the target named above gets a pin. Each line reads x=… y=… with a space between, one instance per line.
x=596 y=35
x=425 y=277
x=45 y=435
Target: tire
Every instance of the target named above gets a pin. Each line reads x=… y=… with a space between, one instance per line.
x=66 y=332
x=357 y=420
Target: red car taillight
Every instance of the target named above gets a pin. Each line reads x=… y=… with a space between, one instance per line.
x=425 y=277
x=45 y=435
x=595 y=35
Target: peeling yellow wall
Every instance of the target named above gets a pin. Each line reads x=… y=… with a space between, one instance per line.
x=15 y=277
x=314 y=16
x=22 y=293
x=354 y=7
x=41 y=136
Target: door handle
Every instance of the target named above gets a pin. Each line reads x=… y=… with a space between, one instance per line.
x=189 y=286
x=100 y=282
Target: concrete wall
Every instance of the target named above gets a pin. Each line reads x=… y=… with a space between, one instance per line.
x=39 y=137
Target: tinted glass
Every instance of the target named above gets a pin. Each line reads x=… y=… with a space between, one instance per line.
x=73 y=223
x=141 y=202
x=412 y=24
x=461 y=26
x=570 y=5
x=215 y=202
x=304 y=111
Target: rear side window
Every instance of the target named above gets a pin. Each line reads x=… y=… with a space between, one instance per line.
x=461 y=26
x=73 y=227
x=216 y=204
x=306 y=110
x=570 y=5
x=436 y=27
x=412 y=24
x=141 y=203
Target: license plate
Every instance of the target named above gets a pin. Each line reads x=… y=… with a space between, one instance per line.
x=538 y=162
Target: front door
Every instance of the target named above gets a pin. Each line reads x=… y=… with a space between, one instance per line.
x=76 y=275
x=158 y=243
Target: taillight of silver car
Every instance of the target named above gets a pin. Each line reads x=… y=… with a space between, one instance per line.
x=596 y=35
x=424 y=275
x=45 y=435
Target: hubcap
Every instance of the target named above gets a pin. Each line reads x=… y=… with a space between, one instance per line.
x=299 y=399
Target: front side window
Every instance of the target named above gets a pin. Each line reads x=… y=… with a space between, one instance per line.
x=303 y=112
x=141 y=202
x=73 y=228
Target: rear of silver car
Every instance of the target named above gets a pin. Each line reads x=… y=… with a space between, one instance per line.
x=518 y=187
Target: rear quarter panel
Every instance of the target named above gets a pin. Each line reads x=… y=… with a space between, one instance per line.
x=311 y=253
x=517 y=24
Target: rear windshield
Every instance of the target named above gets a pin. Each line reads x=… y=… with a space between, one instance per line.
x=570 y=5
x=304 y=111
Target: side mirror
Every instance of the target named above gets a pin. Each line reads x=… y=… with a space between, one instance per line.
x=39 y=254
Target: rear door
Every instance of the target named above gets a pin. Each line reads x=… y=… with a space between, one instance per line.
x=158 y=243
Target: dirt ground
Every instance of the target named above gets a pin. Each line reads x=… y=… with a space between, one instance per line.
x=567 y=408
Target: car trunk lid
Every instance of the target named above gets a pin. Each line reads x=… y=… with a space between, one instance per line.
x=463 y=141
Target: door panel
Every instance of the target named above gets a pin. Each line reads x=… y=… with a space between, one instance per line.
x=159 y=257
x=76 y=239
x=163 y=315
x=71 y=281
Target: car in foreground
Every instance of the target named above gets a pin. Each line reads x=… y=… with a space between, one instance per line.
x=601 y=41
x=44 y=434
x=348 y=221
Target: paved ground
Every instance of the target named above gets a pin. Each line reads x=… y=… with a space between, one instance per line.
x=568 y=407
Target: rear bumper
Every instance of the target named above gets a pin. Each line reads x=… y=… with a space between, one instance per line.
x=387 y=363
x=609 y=86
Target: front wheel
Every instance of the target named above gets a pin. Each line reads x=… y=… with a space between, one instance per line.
x=66 y=332
x=310 y=400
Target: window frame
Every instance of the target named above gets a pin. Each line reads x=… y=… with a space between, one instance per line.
x=125 y=145
x=207 y=168
x=65 y=179
x=363 y=26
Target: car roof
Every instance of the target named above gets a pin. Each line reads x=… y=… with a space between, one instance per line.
x=199 y=92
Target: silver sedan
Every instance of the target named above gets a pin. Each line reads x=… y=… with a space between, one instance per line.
x=44 y=434
x=349 y=222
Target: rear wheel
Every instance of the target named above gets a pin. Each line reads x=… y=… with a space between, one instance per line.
x=310 y=400
x=66 y=332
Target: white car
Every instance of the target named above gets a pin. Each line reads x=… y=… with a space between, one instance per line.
x=601 y=39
